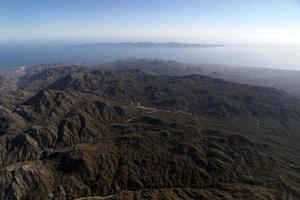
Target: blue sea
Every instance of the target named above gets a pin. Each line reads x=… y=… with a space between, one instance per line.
x=16 y=54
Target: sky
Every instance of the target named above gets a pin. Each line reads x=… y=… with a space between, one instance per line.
x=196 y=21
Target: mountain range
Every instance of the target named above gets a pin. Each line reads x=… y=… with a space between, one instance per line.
x=145 y=129
x=148 y=45
x=286 y=80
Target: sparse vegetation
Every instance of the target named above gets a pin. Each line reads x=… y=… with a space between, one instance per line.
x=97 y=133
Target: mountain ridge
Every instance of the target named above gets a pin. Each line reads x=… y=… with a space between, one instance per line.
x=148 y=45
x=119 y=133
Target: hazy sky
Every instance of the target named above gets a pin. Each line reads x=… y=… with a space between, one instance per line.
x=204 y=21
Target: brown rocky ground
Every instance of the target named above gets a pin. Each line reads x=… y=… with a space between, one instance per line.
x=77 y=133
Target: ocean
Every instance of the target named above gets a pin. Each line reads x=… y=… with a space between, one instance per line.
x=27 y=54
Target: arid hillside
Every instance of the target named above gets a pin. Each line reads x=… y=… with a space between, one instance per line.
x=113 y=132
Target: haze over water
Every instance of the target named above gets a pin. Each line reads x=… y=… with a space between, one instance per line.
x=192 y=21
x=27 y=54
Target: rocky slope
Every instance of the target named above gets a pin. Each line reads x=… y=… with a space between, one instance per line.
x=78 y=133
x=286 y=80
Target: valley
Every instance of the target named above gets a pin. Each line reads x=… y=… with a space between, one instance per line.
x=127 y=130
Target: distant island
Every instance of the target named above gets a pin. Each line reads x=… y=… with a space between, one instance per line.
x=148 y=45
